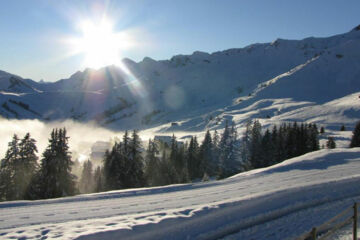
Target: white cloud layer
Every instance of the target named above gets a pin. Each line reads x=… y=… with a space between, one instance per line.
x=82 y=136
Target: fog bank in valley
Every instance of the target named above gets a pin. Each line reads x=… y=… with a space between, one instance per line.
x=82 y=135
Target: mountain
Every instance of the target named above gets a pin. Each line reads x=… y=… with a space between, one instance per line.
x=282 y=80
x=15 y=84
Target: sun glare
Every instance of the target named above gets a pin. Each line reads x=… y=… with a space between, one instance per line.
x=102 y=46
x=99 y=43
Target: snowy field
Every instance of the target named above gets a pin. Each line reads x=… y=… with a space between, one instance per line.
x=279 y=202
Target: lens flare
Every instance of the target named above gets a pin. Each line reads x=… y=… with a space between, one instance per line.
x=99 y=43
x=102 y=46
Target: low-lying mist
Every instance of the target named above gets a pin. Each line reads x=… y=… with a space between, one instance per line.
x=82 y=135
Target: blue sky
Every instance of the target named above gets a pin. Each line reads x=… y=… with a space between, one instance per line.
x=31 y=32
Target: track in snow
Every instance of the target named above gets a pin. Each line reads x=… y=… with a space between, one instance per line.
x=260 y=199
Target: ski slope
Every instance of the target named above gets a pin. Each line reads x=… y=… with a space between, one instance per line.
x=279 y=202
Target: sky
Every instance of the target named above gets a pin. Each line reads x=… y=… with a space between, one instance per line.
x=34 y=35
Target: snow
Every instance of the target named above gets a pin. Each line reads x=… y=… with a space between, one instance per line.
x=279 y=202
x=314 y=80
x=308 y=72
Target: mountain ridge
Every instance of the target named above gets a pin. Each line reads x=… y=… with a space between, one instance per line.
x=150 y=93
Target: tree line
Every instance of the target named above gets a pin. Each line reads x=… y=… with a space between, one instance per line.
x=128 y=165
x=218 y=156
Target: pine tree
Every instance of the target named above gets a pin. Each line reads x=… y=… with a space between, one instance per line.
x=56 y=179
x=108 y=169
x=255 y=145
x=245 y=147
x=233 y=164
x=355 y=140
x=5 y=179
x=330 y=143
x=136 y=171
x=174 y=159
x=99 y=180
x=290 y=141
x=315 y=136
x=125 y=144
x=192 y=158
x=230 y=153
x=312 y=143
x=267 y=149
x=206 y=156
x=216 y=151
x=86 y=184
x=167 y=170
x=281 y=154
x=296 y=131
x=152 y=163
x=224 y=146
x=115 y=167
x=7 y=170
x=322 y=130
x=181 y=158
x=275 y=142
x=18 y=168
x=123 y=165
x=77 y=167
x=301 y=140
x=27 y=165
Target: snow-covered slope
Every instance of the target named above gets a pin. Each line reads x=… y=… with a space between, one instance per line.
x=198 y=90
x=15 y=84
x=279 y=202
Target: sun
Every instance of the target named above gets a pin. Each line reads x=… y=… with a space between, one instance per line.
x=100 y=44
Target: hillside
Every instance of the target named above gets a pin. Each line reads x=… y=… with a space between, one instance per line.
x=260 y=204
x=280 y=79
